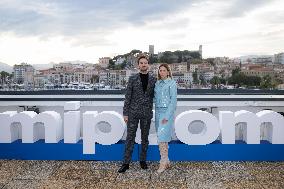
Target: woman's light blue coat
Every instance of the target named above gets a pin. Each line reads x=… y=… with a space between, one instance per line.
x=165 y=99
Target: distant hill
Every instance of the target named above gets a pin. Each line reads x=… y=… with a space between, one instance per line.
x=42 y=66
x=243 y=58
x=6 y=67
x=50 y=65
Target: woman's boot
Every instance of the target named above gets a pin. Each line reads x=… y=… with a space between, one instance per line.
x=164 y=162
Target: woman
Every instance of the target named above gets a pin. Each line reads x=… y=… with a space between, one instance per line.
x=165 y=105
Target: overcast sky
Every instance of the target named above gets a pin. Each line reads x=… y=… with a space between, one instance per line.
x=40 y=32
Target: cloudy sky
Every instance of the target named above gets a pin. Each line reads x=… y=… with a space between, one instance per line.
x=47 y=31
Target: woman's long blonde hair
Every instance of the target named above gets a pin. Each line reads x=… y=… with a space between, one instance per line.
x=168 y=69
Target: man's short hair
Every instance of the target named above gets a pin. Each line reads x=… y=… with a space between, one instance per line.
x=142 y=56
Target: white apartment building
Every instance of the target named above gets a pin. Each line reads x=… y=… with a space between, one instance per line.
x=179 y=67
x=208 y=75
x=193 y=67
x=262 y=60
x=23 y=74
x=64 y=66
x=66 y=73
x=29 y=77
x=40 y=80
x=104 y=62
x=205 y=67
x=178 y=77
x=221 y=60
x=114 y=77
x=278 y=58
x=187 y=77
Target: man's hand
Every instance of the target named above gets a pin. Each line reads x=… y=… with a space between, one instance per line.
x=125 y=119
x=164 y=121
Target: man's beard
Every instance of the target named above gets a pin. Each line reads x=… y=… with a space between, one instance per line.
x=144 y=69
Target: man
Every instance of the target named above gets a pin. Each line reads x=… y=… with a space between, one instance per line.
x=137 y=107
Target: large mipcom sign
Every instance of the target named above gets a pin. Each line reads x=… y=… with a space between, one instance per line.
x=72 y=129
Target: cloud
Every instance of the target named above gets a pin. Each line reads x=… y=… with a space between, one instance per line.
x=238 y=8
x=51 y=30
x=76 y=17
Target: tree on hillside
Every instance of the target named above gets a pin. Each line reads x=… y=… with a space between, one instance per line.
x=215 y=81
x=196 y=61
x=111 y=64
x=120 y=66
x=179 y=55
x=210 y=61
x=195 y=54
x=237 y=78
x=202 y=79
x=4 y=75
x=236 y=71
x=195 y=77
x=135 y=51
x=153 y=59
x=267 y=83
x=166 y=57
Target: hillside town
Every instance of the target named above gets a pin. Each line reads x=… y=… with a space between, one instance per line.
x=190 y=70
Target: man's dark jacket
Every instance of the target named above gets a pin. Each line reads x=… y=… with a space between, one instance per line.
x=137 y=103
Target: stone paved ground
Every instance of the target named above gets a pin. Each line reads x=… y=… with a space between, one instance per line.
x=95 y=174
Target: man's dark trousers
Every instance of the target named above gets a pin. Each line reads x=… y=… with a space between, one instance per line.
x=132 y=126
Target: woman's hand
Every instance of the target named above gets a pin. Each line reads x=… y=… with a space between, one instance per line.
x=164 y=121
x=125 y=119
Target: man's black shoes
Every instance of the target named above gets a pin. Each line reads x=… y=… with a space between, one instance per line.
x=123 y=168
x=143 y=165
